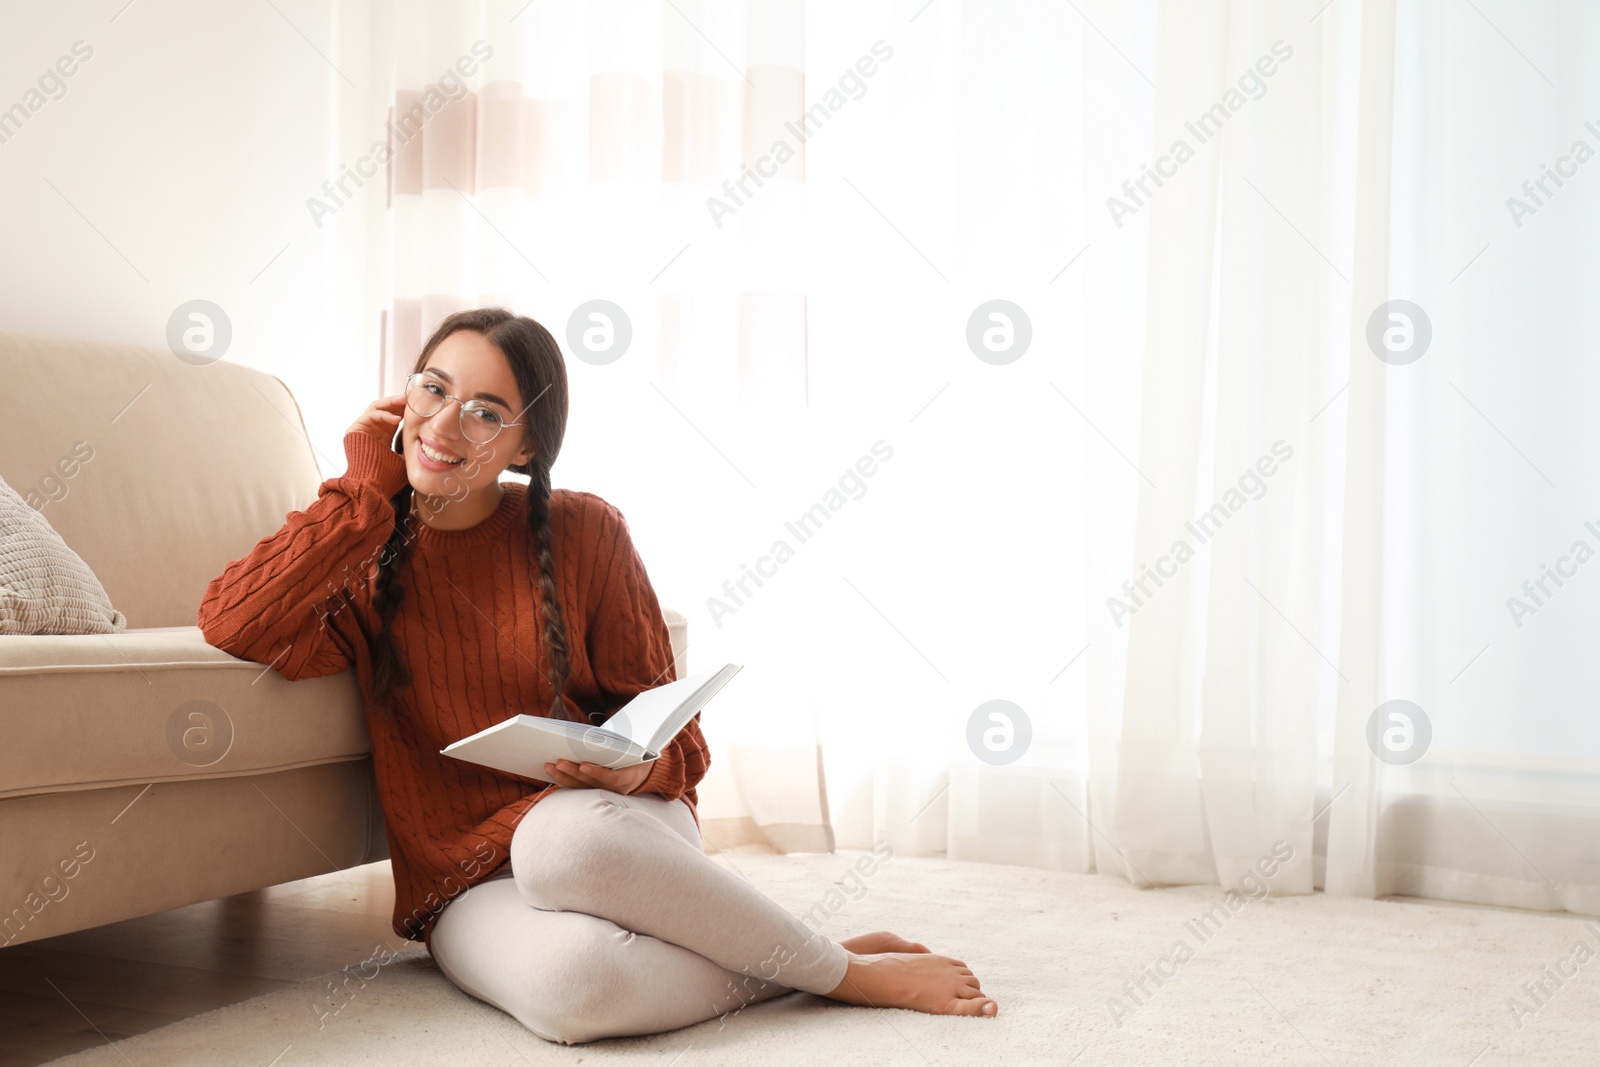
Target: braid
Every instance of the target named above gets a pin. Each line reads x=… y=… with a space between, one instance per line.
x=389 y=673
x=555 y=624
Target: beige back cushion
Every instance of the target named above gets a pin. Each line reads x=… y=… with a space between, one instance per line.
x=155 y=471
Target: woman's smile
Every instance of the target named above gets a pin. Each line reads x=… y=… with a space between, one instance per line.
x=436 y=458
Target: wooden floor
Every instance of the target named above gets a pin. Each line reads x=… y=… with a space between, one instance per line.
x=63 y=994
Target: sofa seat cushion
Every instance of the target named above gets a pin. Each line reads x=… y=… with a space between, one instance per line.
x=159 y=704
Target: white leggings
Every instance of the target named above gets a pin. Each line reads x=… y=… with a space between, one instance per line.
x=612 y=921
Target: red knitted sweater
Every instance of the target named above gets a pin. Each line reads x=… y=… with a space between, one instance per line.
x=471 y=632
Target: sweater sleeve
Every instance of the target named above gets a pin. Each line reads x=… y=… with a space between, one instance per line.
x=285 y=603
x=630 y=651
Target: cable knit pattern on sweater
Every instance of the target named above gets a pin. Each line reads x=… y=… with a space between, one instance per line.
x=471 y=632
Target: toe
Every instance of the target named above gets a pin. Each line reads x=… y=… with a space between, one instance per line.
x=986 y=1005
x=970 y=1006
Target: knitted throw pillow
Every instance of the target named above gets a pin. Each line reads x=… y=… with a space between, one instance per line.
x=45 y=587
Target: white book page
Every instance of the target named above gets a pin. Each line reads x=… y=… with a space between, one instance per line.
x=523 y=745
x=635 y=734
x=654 y=717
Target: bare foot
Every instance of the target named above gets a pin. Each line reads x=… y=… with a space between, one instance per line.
x=920 y=981
x=880 y=941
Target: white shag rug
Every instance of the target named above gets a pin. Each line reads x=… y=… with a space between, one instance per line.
x=1310 y=980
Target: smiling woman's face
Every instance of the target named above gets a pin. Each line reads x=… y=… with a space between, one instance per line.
x=464 y=365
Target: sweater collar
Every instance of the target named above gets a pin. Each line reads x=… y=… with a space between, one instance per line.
x=489 y=530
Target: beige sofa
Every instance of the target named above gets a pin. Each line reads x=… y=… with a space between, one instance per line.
x=145 y=770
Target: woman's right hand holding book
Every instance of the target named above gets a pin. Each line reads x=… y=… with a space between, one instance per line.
x=575 y=775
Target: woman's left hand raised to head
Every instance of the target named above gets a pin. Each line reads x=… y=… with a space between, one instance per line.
x=593 y=776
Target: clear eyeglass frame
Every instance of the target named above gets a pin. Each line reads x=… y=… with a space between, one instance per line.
x=469 y=427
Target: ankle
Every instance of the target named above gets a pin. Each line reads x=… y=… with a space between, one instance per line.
x=855 y=966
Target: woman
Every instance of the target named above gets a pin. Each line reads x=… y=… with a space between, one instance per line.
x=587 y=908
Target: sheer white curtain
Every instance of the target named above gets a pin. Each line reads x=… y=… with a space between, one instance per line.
x=547 y=151
x=1202 y=739
x=1325 y=526
x=894 y=525
x=1357 y=572
x=1488 y=487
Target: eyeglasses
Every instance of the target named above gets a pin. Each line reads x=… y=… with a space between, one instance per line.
x=480 y=423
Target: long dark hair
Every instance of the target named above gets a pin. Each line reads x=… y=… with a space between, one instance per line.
x=541 y=376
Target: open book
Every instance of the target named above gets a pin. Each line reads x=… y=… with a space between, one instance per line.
x=636 y=734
